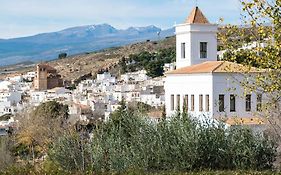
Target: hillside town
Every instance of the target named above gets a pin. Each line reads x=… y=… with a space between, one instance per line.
x=202 y=97
x=92 y=98
x=204 y=94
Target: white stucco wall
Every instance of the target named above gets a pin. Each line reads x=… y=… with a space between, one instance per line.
x=188 y=84
x=212 y=85
x=192 y=35
x=227 y=84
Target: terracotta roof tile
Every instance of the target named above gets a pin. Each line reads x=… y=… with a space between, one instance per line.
x=196 y=17
x=215 y=67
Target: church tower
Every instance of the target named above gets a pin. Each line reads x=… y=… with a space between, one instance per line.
x=196 y=40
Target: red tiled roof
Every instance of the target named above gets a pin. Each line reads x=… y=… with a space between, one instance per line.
x=215 y=67
x=196 y=17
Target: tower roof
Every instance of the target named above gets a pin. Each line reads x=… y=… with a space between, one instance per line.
x=196 y=17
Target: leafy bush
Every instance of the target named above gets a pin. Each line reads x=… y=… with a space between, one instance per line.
x=62 y=55
x=130 y=142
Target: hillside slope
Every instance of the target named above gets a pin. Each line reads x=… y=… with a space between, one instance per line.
x=74 y=67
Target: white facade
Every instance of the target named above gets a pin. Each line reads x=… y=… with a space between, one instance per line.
x=106 y=77
x=190 y=36
x=205 y=86
x=210 y=86
x=138 y=76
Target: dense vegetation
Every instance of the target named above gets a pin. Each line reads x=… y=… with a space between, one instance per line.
x=131 y=143
x=152 y=62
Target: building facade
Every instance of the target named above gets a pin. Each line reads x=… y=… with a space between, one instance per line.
x=203 y=86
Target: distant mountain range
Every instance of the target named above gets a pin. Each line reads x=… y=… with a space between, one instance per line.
x=47 y=46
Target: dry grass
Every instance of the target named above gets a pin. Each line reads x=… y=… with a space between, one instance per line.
x=74 y=67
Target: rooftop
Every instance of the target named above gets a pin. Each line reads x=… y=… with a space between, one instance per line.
x=215 y=67
x=196 y=17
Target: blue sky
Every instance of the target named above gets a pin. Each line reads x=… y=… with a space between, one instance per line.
x=29 y=17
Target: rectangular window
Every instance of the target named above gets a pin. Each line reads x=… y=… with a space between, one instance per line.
x=178 y=102
x=192 y=103
x=203 y=49
x=200 y=102
x=182 y=50
x=232 y=103
x=221 y=103
x=172 y=103
x=207 y=103
x=248 y=102
x=259 y=102
x=185 y=103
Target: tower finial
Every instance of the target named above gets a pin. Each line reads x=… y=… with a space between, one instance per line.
x=196 y=3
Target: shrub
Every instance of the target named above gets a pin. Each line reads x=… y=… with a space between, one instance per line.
x=130 y=142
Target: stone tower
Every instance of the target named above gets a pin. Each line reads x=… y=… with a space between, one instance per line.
x=46 y=78
x=196 y=40
x=41 y=78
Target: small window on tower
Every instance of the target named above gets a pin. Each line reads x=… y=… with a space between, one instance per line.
x=182 y=50
x=203 y=49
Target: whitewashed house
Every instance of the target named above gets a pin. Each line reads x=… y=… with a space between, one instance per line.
x=29 y=76
x=138 y=76
x=9 y=98
x=38 y=97
x=208 y=87
x=106 y=77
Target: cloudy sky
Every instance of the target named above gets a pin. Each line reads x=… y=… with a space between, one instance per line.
x=29 y=17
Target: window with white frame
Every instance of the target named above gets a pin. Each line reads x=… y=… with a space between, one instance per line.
x=182 y=50
x=203 y=49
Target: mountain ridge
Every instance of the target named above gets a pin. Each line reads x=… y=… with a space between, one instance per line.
x=74 y=40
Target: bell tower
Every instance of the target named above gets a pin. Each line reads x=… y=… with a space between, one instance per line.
x=196 y=40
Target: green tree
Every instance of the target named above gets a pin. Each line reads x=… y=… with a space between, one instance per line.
x=263 y=18
x=39 y=128
x=62 y=55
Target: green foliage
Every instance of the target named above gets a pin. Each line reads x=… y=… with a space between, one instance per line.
x=152 y=62
x=18 y=169
x=263 y=18
x=129 y=142
x=52 y=110
x=62 y=55
x=5 y=155
x=5 y=117
x=39 y=129
x=72 y=151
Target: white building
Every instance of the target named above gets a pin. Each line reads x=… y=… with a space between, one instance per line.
x=106 y=77
x=208 y=87
x=29 y=76
x=9 y=98
x=138 y=76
